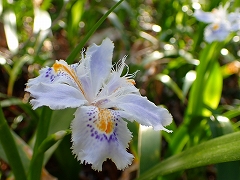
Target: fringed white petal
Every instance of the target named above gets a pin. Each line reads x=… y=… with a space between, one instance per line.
x=139 y=108
x=207 y=17
x=118 y=85
x=234 y=19
x=56 y=96
x=98 y=134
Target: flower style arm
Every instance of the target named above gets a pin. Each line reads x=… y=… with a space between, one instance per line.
x=98 y=65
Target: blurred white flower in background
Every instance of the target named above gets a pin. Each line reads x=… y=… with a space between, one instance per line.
x=221 y=23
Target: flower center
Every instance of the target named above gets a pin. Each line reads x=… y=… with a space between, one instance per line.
x=215 y=27
x=105 y=123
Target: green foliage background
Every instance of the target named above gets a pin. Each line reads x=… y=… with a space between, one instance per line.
x=165 y=42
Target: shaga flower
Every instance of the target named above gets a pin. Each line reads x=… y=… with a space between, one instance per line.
x=221 y=23
x=104 y=100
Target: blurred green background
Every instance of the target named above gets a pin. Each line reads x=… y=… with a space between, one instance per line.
x=163 y=40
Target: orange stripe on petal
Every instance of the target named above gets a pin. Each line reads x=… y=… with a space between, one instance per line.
x=61 y=67
x=132 y=81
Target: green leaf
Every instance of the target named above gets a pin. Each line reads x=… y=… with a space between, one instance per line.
x=60 y=120
x=10 y=28
x=221 y=125
x=24 y=150
x=218 y=150
x=17 y=68
x=10 y=149
x=149 y=143
x=50 y=141
x=195 y=105
x=213 y=88
x=41 y=133
x=70 y=59
x=74 y=18
x=178 y=141
x=68 y=165
x=171 y=84
x=188 y=81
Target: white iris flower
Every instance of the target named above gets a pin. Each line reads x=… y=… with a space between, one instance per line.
x=103 y=100
x=221 y=23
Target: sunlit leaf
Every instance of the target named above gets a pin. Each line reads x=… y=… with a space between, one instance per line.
x=10 y=27
x=17 y=68
x=218 y=150
x=149 y=143
x=221 y=125
x=212 y=88
x=171 y=84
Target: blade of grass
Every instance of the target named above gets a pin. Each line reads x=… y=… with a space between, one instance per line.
x=208 y=54
x=213 y=88
x=171 y=84
x=79 y=47
x=218 y=150
x=149 y=143
x=10 y=149
x=10 y=28
x=203 y=91
x=221 y=125
x=42 y=132
x=17 y=68
x=73 y=19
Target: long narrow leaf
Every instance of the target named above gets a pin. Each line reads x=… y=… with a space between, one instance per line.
x=79 y=47
x=10 y=149
x=149 y=148
x=45 y=145
x=42 y=132
x=218 y=150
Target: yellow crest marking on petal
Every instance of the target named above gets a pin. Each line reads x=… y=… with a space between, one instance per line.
x=105 y=122
x=214 y=10
x=61 y=67
x=132 y=81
